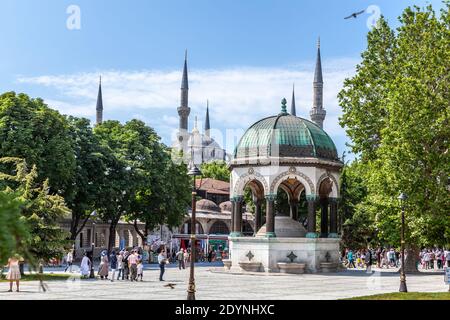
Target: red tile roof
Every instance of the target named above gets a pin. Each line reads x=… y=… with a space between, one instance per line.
x=213 y=186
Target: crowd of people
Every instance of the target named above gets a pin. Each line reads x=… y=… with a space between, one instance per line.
x=434 y=259
x=127 y=264
x=429 y=259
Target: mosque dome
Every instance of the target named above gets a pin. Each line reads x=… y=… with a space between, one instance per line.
x=225 y=206
x=285 y=135
x=207 y=205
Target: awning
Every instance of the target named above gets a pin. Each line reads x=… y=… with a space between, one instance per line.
x=201 y=236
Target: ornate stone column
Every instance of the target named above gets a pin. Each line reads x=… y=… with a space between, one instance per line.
x=237 y=223
x=258 y=215
x=270 y=215
x=324 y=218
x=333 y=218
x=312 y=201
x=293 y=204
x=233 y=208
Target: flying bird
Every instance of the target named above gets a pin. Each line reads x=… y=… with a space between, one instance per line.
x=355 y=14
x=170 y=285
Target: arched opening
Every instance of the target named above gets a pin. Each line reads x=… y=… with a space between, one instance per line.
x=328 y=209
x=219 y=227
x=252 y=202
x=286 y=204
x=247 y=229
x=186 y=228
x=289 y=198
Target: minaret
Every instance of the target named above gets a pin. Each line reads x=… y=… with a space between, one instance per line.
x=184 y=110
x=293 y=111
x=99 y=107
x=207 y=124
x=317 y=112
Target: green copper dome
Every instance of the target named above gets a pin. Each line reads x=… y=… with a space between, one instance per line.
x=286 y=136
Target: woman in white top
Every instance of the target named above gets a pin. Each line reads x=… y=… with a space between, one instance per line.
x=13 y=272
x=120 y=265
x=85 y=266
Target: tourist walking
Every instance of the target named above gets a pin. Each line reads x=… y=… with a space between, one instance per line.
x=120 y=265
x=132 y=264
x=85 y=266
x=210 y=255
x=162 y=260
x=426 y=259
x=378 y=254
x=368 y=261
x=69 y=261
x=391 y=256
x=180 y=259
x=350 y=258
x=113 y=264
x=126 y=267
x=140 y=270
x=13 y=274
x=447 y=258
x=103 y=270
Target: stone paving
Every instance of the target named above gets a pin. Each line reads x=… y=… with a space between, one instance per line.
x=215 y=284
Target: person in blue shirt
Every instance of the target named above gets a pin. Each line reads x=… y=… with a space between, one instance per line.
x=351 y=259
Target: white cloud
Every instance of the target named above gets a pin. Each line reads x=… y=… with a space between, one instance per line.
x=238 y=96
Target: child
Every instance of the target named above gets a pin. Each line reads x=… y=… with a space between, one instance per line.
x=140 y=270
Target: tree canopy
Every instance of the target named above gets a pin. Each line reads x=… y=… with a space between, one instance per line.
x=30 y=130
x=40 y=211
x=396 y=112
x=216 y=170
x=57 y=168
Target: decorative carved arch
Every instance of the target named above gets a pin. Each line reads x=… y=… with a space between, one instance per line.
x=246 y=178
x=304 y=179
x=219 y=227
x=335 y=190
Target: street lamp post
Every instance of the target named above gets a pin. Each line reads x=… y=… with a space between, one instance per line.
x=402 y=198
x=194 y=171
x=92 y=275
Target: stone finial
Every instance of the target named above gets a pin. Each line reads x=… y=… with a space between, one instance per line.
x=283 y=106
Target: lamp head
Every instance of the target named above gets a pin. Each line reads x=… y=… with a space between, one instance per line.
x=194 y=171
x=402 y=197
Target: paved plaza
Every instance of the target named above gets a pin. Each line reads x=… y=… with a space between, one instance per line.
x=213 y=283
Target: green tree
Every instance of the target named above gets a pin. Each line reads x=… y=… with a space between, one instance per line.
x=13 y=230
x=119 y=188
x=30 y=130
x=396 y=112
x=82 y=192
x=163 y=192
x=216 y=170
x=357 y=225
x=41 y=211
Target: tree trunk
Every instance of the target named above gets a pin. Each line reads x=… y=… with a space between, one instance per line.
x=112 y=235
x=142 y=235
x=411 y=259
x=74 y=226
x=74 y=223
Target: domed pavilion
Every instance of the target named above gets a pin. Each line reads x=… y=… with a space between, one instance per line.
x=288 y=155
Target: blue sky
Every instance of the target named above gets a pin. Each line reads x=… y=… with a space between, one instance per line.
x=243 y=56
